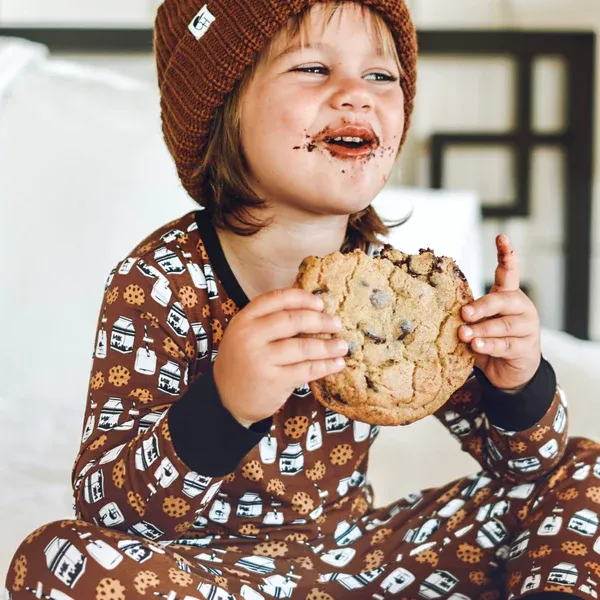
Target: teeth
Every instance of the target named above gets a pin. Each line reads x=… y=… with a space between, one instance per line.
x=356 y=140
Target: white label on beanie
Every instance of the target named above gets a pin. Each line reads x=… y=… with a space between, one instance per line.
x=201 y=22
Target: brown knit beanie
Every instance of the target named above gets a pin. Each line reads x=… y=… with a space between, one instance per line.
x=202 y=50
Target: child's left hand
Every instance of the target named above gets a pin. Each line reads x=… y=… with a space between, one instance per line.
x=504 y=327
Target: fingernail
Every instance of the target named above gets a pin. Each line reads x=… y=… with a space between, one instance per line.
x=319 y=303
x=340 y=362
x=337 y=322
x=341 y=345
x=469 y=310
x=478 y=343
x=468 y=332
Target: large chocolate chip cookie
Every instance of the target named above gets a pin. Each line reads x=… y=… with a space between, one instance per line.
x=400 y=315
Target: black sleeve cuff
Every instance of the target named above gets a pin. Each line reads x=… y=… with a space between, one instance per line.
x=517 y=412
x=205 y=435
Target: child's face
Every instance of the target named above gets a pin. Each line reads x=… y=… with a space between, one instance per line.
x=296 y=96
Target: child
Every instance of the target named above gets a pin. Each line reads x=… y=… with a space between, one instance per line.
x=206 y=469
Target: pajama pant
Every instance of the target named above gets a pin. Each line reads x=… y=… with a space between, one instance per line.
x=485 y=539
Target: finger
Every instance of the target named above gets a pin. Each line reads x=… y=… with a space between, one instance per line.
x=296 y=350
x=510 y=326
x=284 y=299
x=300 y=373
x=289 y=323
x=507 y=275
x=506 y=347
x=496 y=303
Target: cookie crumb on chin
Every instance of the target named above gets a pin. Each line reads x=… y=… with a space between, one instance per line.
x=401 y=314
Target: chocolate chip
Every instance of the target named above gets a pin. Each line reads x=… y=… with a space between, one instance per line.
x=379 y=298
x=352 y=348
x=459 y=273
x=339 y=398
x=371 y=385
x=364 y=283
x=318 y=292
x=374 y=337
x=406 y=328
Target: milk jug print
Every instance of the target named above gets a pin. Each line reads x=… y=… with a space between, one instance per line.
x=274 y=517
x=220 y=510
x=314 y=438
x=361 y=431
x=268 y=450
x=197 y=275
x=161 y=292
x=102 y=341
x=126 y=265
x=551 y=525
x=145 y=359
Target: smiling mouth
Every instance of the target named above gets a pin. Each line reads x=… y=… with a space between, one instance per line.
x=347 y=143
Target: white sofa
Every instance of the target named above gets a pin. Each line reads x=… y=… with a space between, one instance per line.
x=84 y=175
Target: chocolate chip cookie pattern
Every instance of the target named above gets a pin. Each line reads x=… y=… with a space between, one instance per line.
x=400 y=316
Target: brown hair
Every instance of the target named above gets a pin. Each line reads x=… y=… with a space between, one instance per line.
x=223 y=171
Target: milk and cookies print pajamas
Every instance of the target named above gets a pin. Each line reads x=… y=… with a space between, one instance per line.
x=175 y=500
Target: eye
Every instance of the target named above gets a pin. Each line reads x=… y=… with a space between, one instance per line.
x=314 y=69
x=321 y=70
x=383 y=77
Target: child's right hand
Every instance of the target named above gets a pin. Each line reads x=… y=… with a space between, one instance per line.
x=260 y=361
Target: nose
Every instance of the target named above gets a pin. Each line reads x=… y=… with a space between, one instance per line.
x=352 y=94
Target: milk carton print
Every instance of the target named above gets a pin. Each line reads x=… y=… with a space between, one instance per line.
x=250 y=505
x=194 y=484
x=146 y=530
x=93 y=488
x=177 y=320
x=584 y=522
x=210 y=282
x=491 y=534
x=334 y=422
x=291 y=461
x=169 y=378
x=65 y=561
x=168 y=261
x=437 y=585
x=201 y=339
x=171 y=236
x=123 y=335
x=564 y=574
